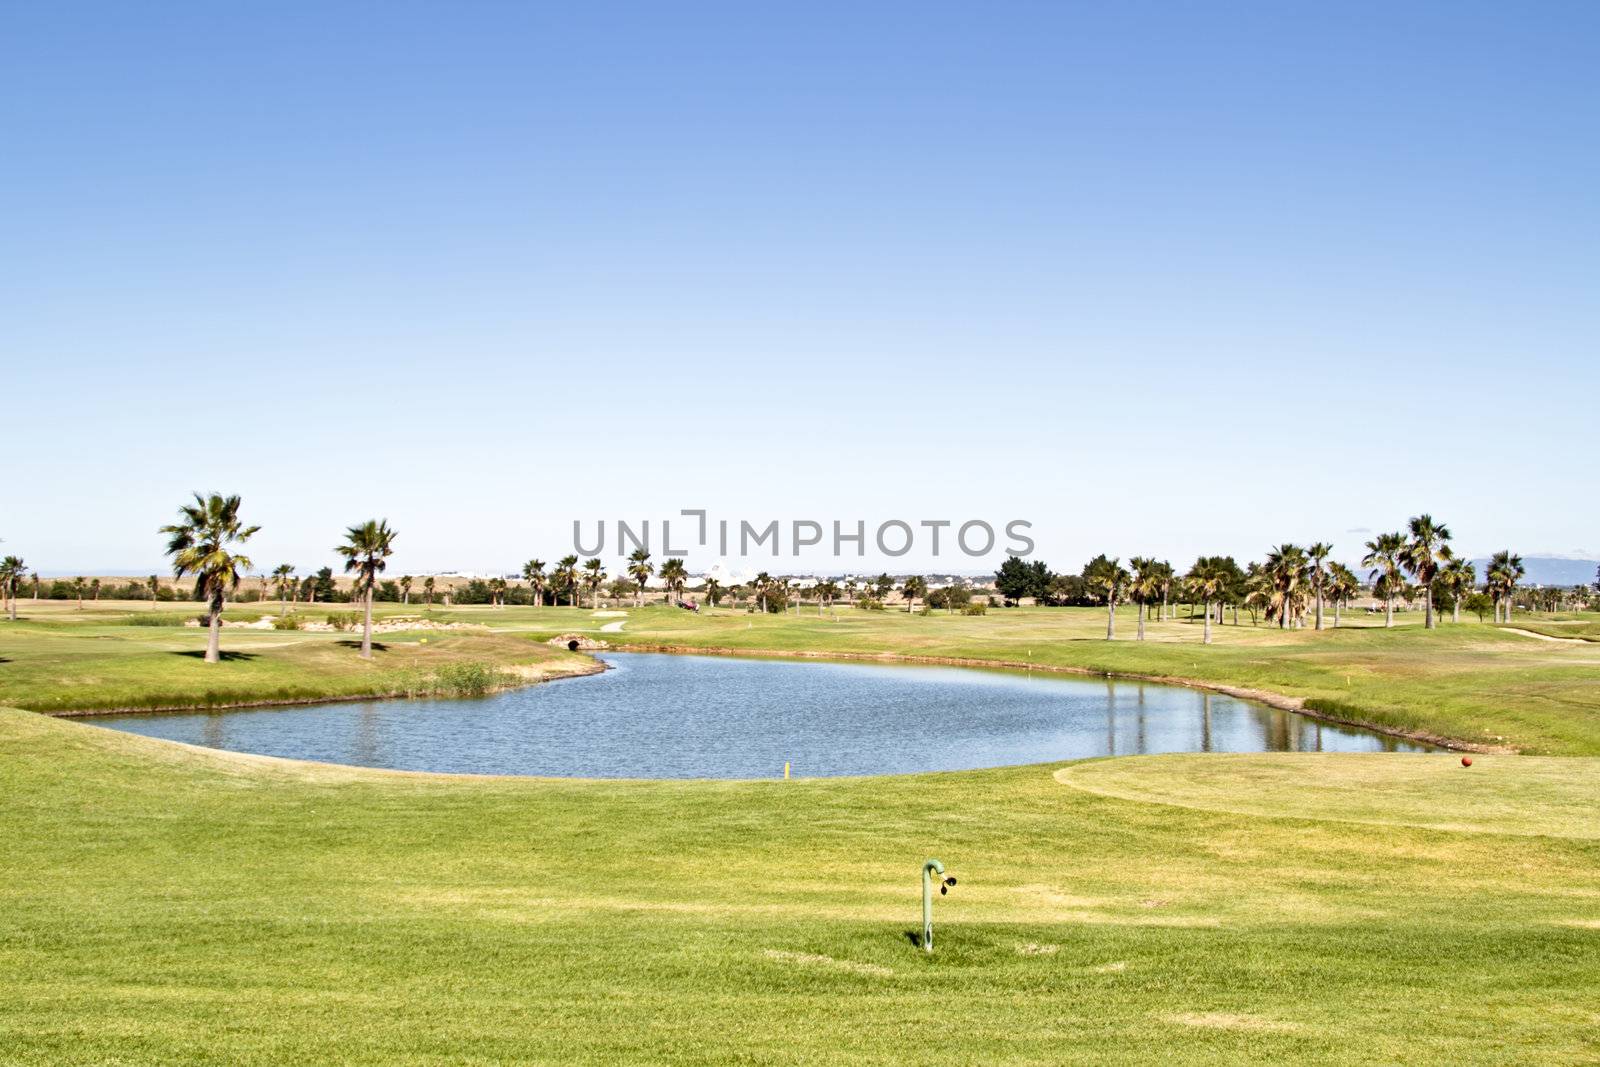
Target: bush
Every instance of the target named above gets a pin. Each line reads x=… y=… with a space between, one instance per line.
x=343 y=620
x=870 y=603
x=977 y=607
x=287 y=622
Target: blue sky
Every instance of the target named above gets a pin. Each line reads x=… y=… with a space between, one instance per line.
x=1162 y=279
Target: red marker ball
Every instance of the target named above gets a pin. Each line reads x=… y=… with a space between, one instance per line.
x=1466 y=761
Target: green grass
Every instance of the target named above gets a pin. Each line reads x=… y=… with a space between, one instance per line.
x=103 y=662
x=161 y=904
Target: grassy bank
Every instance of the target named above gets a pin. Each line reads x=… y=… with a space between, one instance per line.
x=102 y=662
x=159 y=903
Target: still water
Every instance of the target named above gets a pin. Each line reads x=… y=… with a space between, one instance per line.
x=661 y=716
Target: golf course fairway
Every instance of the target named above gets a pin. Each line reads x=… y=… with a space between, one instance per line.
x=162 y=902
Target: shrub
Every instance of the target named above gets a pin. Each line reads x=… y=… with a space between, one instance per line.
x=870 y=603
x=287 y=622
x=343 y=620
x=977 y=607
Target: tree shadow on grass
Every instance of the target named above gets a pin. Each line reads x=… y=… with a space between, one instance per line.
x=377 y=646
x=227 y=657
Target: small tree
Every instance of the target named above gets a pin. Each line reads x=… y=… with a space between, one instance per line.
x=915 y=586
x=533 y=574
x=640 y=569
x=366 y=550
x=594 y=577
x=1109 y=580
x=199 y=545
x=676 y=577
x=11 y=571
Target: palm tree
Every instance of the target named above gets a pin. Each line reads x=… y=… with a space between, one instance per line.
x=533 y=574
x=1287 y=575
x=284 y=575
x=1505 y=570
x=1342 y=585
x=497 y=592
x=639 y=569
x=1317 y=554
x=760 y=584
x=675 y=576
x=199 y=545
x=427 y=590
x=1460 y=577
x=1166 y=576
x=1427 y=550
x=565 y=578
x=914 y=586
x=77 y=589
x=405 y=588
x=713 y=591
x=11 y=571
x=1146 y=587
x=1110 y=580
x=152 y=582
x=1383 y=556
x=1207 y=580
x=366 y=550
x=35 y=587
x=594 y=576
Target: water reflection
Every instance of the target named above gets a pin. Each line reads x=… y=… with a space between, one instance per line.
x=658 y=716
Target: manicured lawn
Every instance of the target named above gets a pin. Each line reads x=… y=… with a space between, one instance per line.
x=159 y=903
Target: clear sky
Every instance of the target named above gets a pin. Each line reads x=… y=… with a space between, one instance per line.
x=1160 y=278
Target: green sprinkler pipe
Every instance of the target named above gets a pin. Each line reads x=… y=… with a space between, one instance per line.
x=929 y=869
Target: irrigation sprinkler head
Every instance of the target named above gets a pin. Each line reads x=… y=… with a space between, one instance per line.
x=950 y=880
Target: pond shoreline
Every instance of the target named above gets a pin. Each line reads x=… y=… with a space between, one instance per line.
x=528 y=674
x=1280 y=701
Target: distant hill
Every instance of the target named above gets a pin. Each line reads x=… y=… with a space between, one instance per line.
x=1550 y=570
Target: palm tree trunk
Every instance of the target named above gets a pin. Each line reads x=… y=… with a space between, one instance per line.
x=1337 y=603
x=214 y=638
x=1508 y=607
x=1319 y=607
x=366 y=629
x=1427 y=607
x=1111 y=619
x=1388 y=611
x=1207 y=639
x=1455 y=610
x=1142 y=609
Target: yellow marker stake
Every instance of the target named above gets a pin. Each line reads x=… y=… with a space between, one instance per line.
x=786 y=770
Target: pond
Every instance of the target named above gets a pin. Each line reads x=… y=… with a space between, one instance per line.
x=669 y=716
